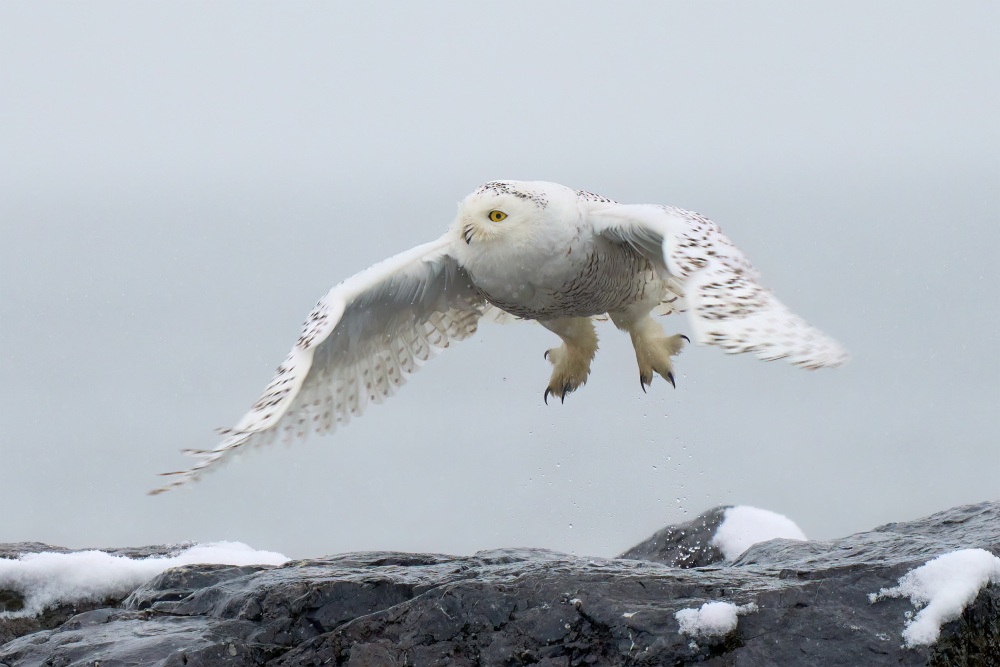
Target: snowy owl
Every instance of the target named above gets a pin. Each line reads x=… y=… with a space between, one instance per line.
x=532 y=251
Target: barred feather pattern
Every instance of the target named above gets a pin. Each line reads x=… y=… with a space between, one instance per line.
x=333 y=393
x=358 y=346
x=721 y=290
x=729 y=306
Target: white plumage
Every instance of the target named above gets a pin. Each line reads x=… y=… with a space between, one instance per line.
x=529 y=250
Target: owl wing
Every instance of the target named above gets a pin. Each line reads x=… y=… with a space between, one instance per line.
x=726 y=304
x=359 y=344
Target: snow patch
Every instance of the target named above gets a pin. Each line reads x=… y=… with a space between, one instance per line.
x=943 y=587
x=744 y=526
x=47 y=579
x=714 y=619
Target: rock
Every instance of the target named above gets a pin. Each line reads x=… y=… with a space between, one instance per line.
x=15 y=549
x=801 y=603
x=13 y=601
x=684 y=545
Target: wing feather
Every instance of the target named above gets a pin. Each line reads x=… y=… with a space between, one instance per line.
x=357 y=346
x=726 y=304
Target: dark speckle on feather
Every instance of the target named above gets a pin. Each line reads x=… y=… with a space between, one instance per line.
x=503 y=188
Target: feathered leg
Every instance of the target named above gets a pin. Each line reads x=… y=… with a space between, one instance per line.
x=653 y=348
x=571 y=360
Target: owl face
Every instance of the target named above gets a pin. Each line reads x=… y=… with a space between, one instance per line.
x=516 y=213
x=499 y=211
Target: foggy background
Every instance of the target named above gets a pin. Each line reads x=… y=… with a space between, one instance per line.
x=181 y=181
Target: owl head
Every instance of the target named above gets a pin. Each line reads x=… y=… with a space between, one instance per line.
x=506 y=211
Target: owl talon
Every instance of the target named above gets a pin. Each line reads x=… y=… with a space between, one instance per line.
x=560 y=391
x=571 y=360
x=653 y=351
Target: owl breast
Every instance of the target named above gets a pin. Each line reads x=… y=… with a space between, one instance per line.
x=607 y=279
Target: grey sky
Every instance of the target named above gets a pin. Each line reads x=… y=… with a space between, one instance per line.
x=180 y=182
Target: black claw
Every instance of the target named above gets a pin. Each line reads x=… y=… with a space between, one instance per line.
x=562 y=398
x=685 y=338
x=670 y=379
x=642 y=384
x=545 y=396
x=546 y=355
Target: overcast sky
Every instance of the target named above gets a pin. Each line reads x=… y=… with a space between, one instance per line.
x=181 y=181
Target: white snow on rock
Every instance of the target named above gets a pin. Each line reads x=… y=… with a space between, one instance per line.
x=943 y=587
x=744 y=526
x=714 y=619
x=47 y=579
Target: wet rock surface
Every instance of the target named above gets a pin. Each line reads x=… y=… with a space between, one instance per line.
x=683 y=545
x=13 y=601
x=535 y=607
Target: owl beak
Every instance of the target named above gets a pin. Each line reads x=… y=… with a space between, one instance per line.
x=467 y=234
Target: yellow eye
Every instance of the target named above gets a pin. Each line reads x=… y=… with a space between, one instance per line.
x=497 y=216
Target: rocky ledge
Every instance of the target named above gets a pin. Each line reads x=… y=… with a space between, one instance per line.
x=786 y=602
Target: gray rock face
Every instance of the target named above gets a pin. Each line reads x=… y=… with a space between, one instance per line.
x=12 y=601
x=683 y=545
x=535 y=607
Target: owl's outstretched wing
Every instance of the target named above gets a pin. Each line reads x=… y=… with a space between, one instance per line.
x=727 y=306
x=359 y=344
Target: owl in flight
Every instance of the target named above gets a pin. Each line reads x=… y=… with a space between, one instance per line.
x=523 y=250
